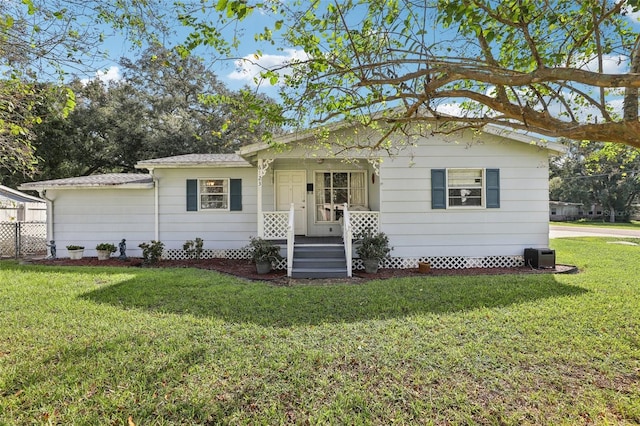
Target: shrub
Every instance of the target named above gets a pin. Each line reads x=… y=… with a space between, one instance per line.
x=111 y=248
x=73 y=247
x=193 y=248
x=263 y=250
x=151 y=251
x=373 y=246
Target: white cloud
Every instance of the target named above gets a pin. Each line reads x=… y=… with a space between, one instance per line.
x=111 y=74
x=249 y=68
x=617 y=64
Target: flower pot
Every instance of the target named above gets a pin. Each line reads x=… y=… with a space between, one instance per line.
x=424 y=267
x=103 y=254
x=263 y=267
x=370 y=265
x=76 y=254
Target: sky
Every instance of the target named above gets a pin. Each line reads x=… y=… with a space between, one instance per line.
x=242 y=71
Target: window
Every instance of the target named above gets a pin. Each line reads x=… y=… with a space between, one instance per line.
x=459 y=188
x=464 y=187
x=333 y=189
x=214 y=194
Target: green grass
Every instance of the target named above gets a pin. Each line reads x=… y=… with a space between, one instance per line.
x=184 y=346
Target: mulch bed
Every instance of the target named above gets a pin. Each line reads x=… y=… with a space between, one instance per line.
x=247 y=270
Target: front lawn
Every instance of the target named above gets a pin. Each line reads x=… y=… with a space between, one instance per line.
x=185 y=346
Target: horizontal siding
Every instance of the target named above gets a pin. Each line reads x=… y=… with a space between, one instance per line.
x=88 y=217
x=218 y=229
x=416 y=230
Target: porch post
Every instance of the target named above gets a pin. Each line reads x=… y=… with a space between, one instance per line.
x=263 y=166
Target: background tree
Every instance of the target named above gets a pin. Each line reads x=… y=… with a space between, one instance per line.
x=598 y=173
x=530 y=65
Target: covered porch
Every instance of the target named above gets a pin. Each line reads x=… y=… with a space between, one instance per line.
x=317 y=201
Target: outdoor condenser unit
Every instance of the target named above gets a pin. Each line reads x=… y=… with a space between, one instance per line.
x=540 y=258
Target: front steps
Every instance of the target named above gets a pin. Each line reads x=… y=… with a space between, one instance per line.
x=319 y=261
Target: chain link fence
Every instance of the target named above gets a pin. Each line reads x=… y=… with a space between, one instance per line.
x=23 y=239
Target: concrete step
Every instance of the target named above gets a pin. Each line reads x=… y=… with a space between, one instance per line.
x=319 y=261
x=319 y=273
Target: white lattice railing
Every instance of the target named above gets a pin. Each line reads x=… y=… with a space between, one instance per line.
x=347 y=237
x=361 y=221
x=275 y=225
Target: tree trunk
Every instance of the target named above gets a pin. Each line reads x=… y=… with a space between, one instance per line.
x=631 y=93
x=612 y=214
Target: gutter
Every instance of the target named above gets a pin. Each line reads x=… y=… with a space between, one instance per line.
x=50 y=210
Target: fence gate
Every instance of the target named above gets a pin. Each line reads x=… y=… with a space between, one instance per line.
x=20 y=239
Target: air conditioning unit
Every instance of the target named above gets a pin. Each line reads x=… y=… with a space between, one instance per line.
x=540 y=258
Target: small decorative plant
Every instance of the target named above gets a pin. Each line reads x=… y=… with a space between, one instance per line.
x=263 y=253
x=111 y=248
x=74 y=247
x=193 y=248
x=372 y=248
x=151 y=251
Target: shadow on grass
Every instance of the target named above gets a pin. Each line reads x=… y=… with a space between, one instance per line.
x=215 y=296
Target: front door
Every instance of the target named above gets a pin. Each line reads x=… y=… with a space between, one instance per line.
x=291 y=187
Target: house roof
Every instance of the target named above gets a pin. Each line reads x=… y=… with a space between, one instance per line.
x=109 y=180
x=18 y=196
x=301 y=135
x=194 y=160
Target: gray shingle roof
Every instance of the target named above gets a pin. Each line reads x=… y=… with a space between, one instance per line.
x=109 y=179
x=191 y=160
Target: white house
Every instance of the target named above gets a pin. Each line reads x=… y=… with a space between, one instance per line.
x=456 y=201
x=16 y=206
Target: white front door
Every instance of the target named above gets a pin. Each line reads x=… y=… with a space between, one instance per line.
x=291 y=187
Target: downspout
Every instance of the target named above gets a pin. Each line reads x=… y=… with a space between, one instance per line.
x=43 y=195
x=156 y=206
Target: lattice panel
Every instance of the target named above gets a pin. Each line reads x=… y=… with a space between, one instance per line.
x=180 y=254
x=7 y=239
x=361 y=221
x=449 y=262
x=275 y=225
x=30 y=238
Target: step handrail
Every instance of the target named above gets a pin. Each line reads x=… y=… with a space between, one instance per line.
x=347 y=238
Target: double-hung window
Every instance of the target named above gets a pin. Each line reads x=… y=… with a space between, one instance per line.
x=214 y=194
x=460 y=188
x=334 y=189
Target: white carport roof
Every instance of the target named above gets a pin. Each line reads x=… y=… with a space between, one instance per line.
x=18 y=196
x=109 y=180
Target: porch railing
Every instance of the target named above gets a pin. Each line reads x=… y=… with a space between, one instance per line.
x=291 y=235
x=347 y=238
x=275 y=225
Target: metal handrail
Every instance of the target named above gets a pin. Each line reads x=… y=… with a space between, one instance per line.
x=291 y=235
x=347 y=237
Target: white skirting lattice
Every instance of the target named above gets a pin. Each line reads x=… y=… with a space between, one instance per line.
x=440 y=262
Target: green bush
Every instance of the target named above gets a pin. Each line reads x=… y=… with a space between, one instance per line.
x=152 y=251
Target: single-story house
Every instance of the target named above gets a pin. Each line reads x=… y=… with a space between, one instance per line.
x=16 y=206
x=561 y=210
x=464 y=200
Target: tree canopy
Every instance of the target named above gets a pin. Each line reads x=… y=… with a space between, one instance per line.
x=560 y=68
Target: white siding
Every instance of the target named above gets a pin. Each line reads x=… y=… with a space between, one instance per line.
x=417 y=230
x=87 y=217
x=218 y=229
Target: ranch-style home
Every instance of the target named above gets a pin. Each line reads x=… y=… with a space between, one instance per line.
x=472 y=199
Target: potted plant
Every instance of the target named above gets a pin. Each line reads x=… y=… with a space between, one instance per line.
x=104 y=250
x=75 y=252
x=372 y=248
x=264 y=253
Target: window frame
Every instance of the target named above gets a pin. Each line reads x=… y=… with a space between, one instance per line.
x=483 y=188
x=227 y=194
x=349 y=193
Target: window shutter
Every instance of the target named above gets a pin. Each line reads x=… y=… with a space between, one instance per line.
x=235 y=197
x=493 y=188
x=192 y=195
x=438 y=188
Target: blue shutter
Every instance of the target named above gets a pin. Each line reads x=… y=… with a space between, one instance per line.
x=438 y=188
x=235 y=194
x=192 y=195
x=493 y=188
